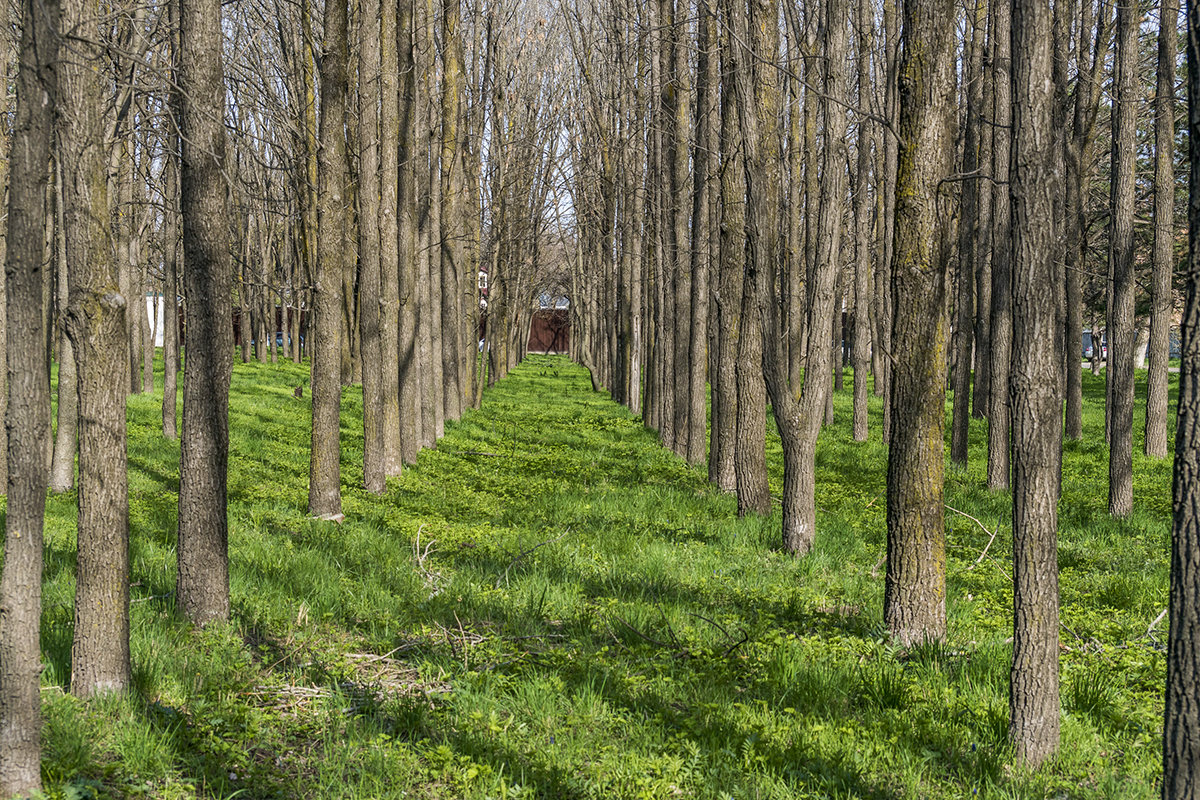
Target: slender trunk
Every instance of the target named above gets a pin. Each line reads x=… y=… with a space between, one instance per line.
x=915 y=589
x=62 y=463
x=370 y=246
x=1181 y=723
x=1034 y=181
x=1164 y=232
x=27 y=393
x=96 y=323
x=1124 y=278
x=1000 y=349
x=324 y=488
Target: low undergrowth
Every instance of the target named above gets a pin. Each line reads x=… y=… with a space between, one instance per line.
x=550 y=605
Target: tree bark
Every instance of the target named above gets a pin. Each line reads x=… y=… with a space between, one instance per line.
x=27 y=414
x=1034 y=182
x=99 y=334
x=202 y=589
x=66 y=445
x=324 y=487
x=862 y=225
x=370 y=246
x=1124 y=278
x=1164 y=232
x=914 y=603
x=1000 y=328
x=968 y=240
x=1181 y=722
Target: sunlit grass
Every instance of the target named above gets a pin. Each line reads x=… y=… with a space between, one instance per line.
x=551 y=605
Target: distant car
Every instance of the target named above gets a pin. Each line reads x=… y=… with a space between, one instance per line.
x=1088 y=344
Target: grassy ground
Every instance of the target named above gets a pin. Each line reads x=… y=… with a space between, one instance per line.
x=549 y=605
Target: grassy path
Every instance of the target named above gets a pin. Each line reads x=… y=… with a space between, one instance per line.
x=550 y=605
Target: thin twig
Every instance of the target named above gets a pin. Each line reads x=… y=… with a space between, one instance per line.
x=983 y=527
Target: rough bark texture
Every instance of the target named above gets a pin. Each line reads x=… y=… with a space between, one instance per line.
x=369 y=246
x=1034 y=181
x=1121 y=266
x=96 y=325
x=1164 y=232
x=202 y=590
x=453 y=194
x=862 y=226
x=915 y=589
x=708 y=76
x=968 y=241
x=324 y=487
x=171 y=285
x=27 y=416
x=728 y=297
x=389 y=235
x=62 y=462
x=1000 y=329
x=749 y=457
x=1181 y=723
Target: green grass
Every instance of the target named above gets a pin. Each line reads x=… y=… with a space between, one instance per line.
x=550 y=605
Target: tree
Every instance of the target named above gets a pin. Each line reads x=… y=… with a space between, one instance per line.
x=968 y=240
x=862 y=241
x=1000 y=327
x=324 y=487
x=370 y=246
x=915 y=589
x=1181 y=723
x=28 y=412
x=1121 y=263
x=202 y=588
x=1034 y=182
x=1164 y=232
x=99 y=336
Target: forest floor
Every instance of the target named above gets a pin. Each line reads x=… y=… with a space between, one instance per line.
x=551 y=605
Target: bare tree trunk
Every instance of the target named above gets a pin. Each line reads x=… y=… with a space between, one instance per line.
x=862 y=224
x=324 y=487
x=390 y=226
x=370 y=246
x=96 y=323
x=1034 y=181
x=1124 y=278
x=66 y=445
x=914 y=605
x=453 y=189
x=202 y=588
x=27 y=391
x=1181 y=723
x=706 y=170
x=749 y=455
x=1000 y=344
x=1164 y=232
x=968 y=240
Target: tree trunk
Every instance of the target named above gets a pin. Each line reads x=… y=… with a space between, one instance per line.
x=99 y=333
x=453 y=190
x=1164 y=232
x=1000 y=344
x=369 y=247
x=324 y=487
x=1034 y=181
x=862 y=225
x=915 y=590
x=28 y=405
x=62 y=462
x=968 y=241
x=1124 y=277
x=1181 y=723
x=202 y=589
x=707 y=87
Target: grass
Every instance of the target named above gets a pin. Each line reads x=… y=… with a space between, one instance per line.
x=550 y=605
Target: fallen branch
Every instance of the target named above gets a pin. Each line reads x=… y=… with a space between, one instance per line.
x=992 y=535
